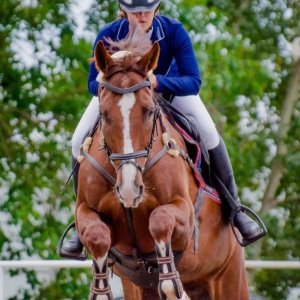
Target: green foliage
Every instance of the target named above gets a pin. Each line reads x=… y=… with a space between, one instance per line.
x=241 y=48
x=65 y=277
x=276 y=285
x=43 y=92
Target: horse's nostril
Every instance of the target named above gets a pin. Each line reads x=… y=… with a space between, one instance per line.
x=118 y=192
x=141 y=190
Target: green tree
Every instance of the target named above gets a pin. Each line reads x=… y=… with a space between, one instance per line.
x=43 y=92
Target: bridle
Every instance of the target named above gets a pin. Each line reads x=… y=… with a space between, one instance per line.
x=129 y=158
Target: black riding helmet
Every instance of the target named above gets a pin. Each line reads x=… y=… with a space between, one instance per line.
x=133 y=6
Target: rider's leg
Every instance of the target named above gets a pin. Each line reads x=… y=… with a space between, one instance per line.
x=85 y=124
x=221 y=165
x=73 y=246
x=193 y=108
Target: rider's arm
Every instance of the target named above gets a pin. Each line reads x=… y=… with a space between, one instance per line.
x=183 y=77
x=108 y=31
x=93 y=84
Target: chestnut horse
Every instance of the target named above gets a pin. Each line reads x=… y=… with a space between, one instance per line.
x=139 y=207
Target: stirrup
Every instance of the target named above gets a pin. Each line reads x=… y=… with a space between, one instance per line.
x=263 y=230
x=81 y=257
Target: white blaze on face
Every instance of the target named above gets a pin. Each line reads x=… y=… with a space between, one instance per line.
x=126 y=104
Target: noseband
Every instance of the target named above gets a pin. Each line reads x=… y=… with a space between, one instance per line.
x=127 y=158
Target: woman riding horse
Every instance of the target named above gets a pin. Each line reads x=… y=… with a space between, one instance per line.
x=177 y=77
x=142 y=208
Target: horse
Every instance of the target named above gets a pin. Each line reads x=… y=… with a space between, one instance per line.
x=140 y=209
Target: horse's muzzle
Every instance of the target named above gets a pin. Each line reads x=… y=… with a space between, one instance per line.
x=130 y=198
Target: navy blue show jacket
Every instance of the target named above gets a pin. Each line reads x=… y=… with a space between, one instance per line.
x=177 y=72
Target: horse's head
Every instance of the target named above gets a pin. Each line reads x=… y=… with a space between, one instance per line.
x=128 y=115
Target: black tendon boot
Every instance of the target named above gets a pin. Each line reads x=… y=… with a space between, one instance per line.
x=221 y=166
x=73 y=247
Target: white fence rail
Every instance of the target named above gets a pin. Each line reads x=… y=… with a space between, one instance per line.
x=58 y=264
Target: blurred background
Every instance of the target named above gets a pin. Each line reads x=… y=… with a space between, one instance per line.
x=249 y=55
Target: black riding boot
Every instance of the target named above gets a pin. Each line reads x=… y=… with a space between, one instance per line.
x=221 y=166
x=73 y=246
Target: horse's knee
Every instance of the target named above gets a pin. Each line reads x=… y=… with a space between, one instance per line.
x=161 y=224
x=96 y=237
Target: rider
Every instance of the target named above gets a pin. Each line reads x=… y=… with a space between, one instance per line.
x=177 y=77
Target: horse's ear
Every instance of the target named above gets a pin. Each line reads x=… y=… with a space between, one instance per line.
x=102 y=58
x=149 y=60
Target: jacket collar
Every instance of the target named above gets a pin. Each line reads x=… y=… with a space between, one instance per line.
x=157 y=35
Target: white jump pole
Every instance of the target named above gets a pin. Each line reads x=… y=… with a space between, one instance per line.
x=58 y=264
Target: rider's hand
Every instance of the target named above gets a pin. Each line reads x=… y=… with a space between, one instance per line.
x=153 y=81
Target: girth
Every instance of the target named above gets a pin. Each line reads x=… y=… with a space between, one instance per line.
x=143 y=272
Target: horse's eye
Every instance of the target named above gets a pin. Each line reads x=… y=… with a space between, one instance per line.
x=102 y=115
x=151 y=112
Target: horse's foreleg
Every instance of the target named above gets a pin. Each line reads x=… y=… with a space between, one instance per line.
x=93 y=233
x=100 y=288
x=169 y=286
x=95 y=236
x=166 y=222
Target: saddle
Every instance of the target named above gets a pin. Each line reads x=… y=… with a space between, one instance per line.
x=196 y=148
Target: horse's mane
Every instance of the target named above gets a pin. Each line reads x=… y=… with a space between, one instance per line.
x=136 y=41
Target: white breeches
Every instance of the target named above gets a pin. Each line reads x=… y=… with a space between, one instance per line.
x=191 y=106
x=85 y=124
